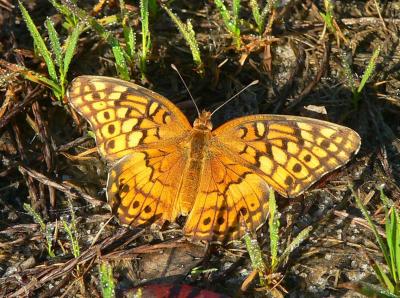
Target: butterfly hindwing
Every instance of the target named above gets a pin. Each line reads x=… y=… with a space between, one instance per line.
x=231 y=198
x=143 y=186
x=124 y=115
x=290 y=152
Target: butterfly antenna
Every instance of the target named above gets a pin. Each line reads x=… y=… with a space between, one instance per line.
x=190 y=94
x=234 y=96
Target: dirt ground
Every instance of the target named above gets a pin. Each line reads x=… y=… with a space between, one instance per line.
x=300 y=68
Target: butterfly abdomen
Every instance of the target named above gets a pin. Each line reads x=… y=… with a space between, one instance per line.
x=196 y=150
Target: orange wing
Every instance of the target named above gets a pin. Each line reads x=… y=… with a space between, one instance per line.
x=289 y=152
x=250 y=154
x=142 y=130
x=231 y=197
x=124 y=115
x=142 y=187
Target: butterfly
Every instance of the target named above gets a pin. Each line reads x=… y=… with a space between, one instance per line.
x=163 y=167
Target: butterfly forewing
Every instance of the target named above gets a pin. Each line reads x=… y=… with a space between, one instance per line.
x=124 y=115
x=289 y=152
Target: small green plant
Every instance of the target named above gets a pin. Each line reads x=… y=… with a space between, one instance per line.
x=62 y=59
x=146 y=40
x=196 y=271
x=231 y=20
x=107 y=283
x=129 y=35
x=269 y=270
x=369 y=70
x=118 y=52
x=69 y=227
x=260 y=16
x=45 y=228
x=71 y=21
x=72 y=231
x=190 y=36
x=330 y=23
x=390 y=249
x=328 y=16
x=356 y=90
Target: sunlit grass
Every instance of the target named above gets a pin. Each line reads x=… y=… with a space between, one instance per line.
x=190 y=37
x=107 y=283
x=260 y=15
x=146 y=39
x=388 y=275
x=118 y=52
x=71 y=230
x=58 y=66
x=268 y=269
x=44 y=228
x=355 y=87
x=231 y=19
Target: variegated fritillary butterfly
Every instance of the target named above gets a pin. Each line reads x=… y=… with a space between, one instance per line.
x=163 y=167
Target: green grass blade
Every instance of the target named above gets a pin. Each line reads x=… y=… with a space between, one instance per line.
x=386 y=201
x=72 y=239
x=369 y=70
x=32 y=76
x=189 y=35
x=390 y=225
x=196 y=271
x=130 y=40
x=71 y=20
x=54 y=42
x=348 y=74
x=129 y=35
x=328 y=16
x=122 y=67
x=36 y=216
x=39 y=42
x=45 y=81
x=396 y=245
x=235 y=10
x=146 y=40
x=304 y=234
x=70 y=47
x=194 y=46
x=378 y=238
x=46 y=229
x=236 y=29
x=259 y=17
x=273 y=223
x=255 y=253
x=119 y=54
x=267 y=8
x=383 y=278
x=370 y=290
x=107 y=283
x=226 y=17
x=255 y=10
x=231 y=21
x=49 y=241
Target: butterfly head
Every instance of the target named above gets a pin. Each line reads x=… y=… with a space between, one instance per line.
x=203 y=122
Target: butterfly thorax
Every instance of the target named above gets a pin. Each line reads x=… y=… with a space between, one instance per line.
x=203 y=122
